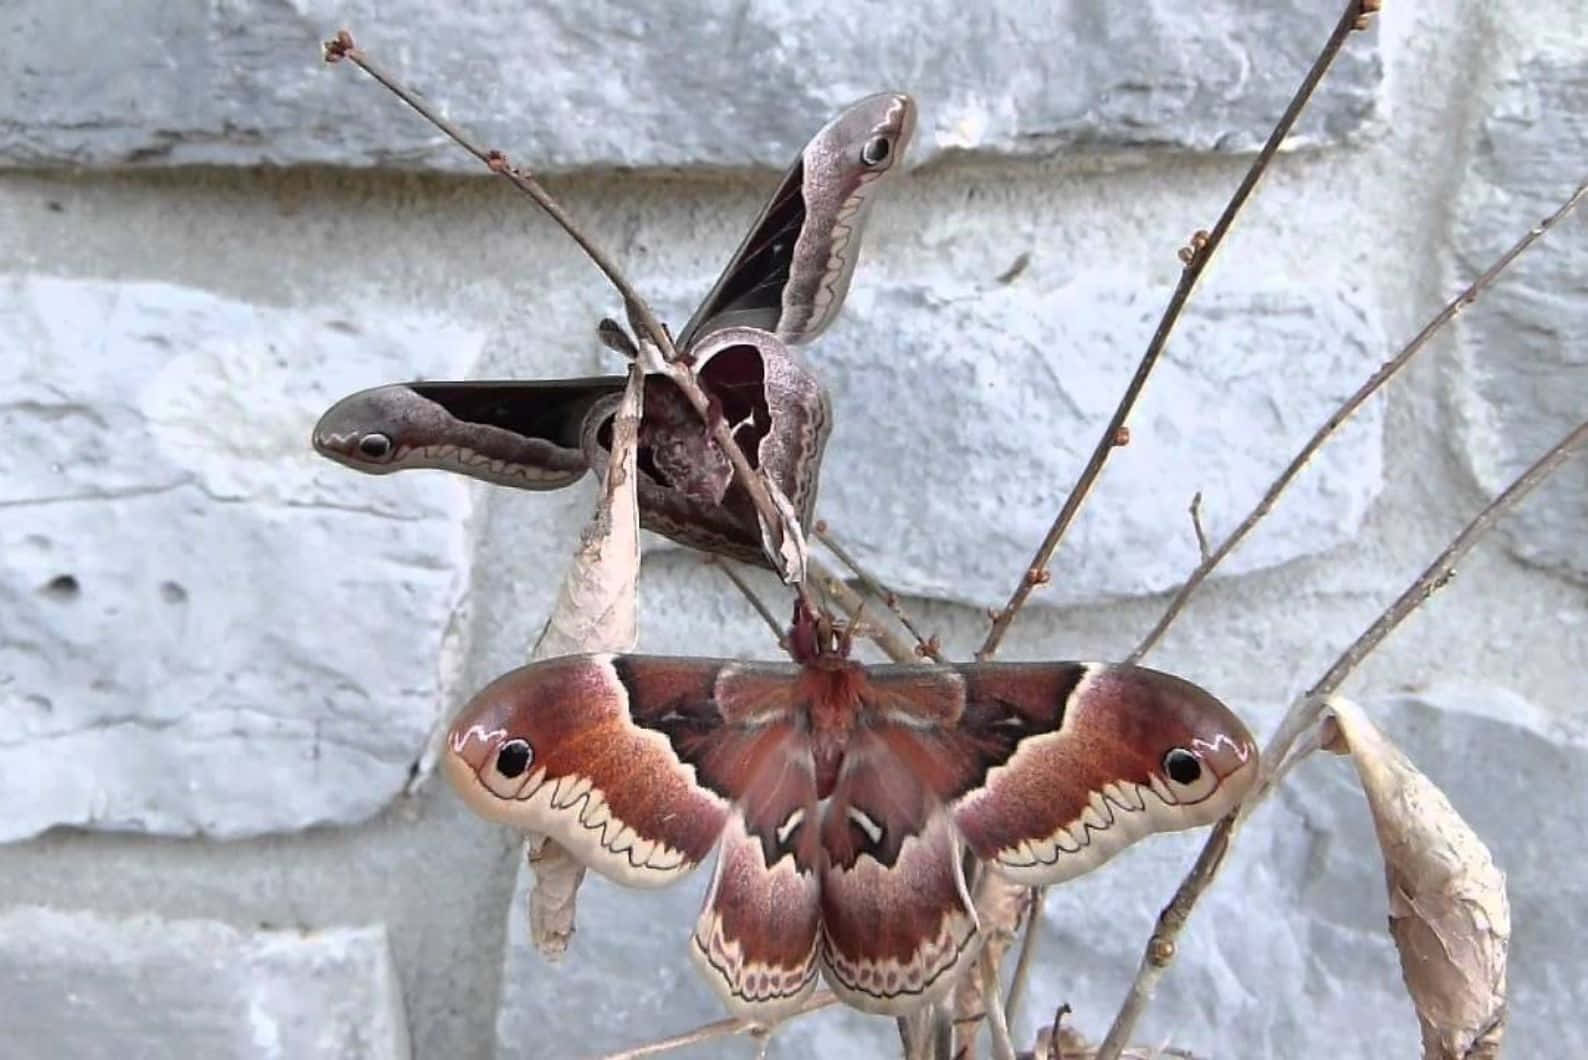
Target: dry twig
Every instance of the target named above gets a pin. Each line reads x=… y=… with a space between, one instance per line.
x=1196 y=257
x=1196 y=526
x=780 y=518
x=1165 y=935
x=1302 y=714
x=852 y=603
x=924 y=646
x=1002 y=1045
x=733 y=575
x=719 y=1029
x=1384 y=374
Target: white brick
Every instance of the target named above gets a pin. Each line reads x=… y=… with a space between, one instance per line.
x=1522 y=379
x=573 y=84
x=963 y=415
x=201 y=612
x=85 y=986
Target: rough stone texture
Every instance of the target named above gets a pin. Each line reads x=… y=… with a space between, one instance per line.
x=628 y=83
x=199 y=609
x=991 y=412
x=1524 y=369
x=435 y=270
x=1295 y=980
x=86 y=986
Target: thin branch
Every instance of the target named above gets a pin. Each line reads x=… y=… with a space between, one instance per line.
x=892 y=645
x=925 y=646
x=1161 y=946
x=915 y=1034
x=733 y=575
x=676 y=368
x=942 y=1024
x=1003 y=1047
x=1026 y=958
x=1302 y=714
x=342 y=47
x=1385 y=373
x=1196 y=257
x=1001 y=907
x=720 y=1029
x=1438 y=573
x=1196 y=526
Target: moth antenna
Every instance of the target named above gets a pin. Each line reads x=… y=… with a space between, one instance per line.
x=846 y=640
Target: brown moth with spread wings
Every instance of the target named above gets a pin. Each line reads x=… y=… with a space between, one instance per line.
x=782 y=287
x=840 y=795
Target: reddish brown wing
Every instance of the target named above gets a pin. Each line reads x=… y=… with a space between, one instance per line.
x=897 y=924
x=631 y=762
x=1050 y=769
x=756 y=939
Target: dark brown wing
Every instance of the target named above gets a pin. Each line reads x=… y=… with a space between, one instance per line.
x=791 y=273
x=550 y=409
x=750 y=289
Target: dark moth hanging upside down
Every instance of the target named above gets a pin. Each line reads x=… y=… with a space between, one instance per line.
x=782 y=287
x=839 y=796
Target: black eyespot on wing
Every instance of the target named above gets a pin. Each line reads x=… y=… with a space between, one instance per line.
x=374 y=446
x=876 y=151
x=513 y=757
x=1182 y=766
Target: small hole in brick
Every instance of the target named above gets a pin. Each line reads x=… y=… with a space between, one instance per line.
x=172 y=593
x=62 y=587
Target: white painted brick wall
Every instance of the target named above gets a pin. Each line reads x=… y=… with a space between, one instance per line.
x=220 y=655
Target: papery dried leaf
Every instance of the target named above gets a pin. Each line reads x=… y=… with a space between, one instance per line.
x=1448 y=910
x=1001 y=907
x=553 y=899
x=595 y=606
x=595 y=611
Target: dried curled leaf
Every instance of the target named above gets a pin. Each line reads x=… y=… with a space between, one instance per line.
x=553 y=899
x=1448 y=910
x=595 y=603
x=595 y=611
